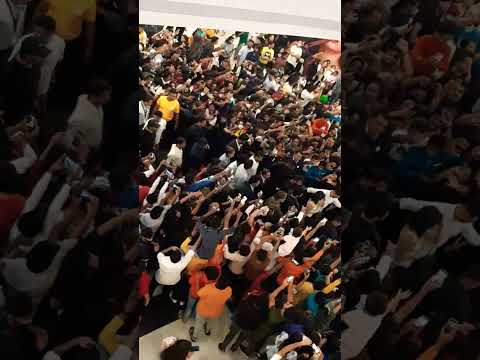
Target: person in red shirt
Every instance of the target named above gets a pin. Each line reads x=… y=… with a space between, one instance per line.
x=144 y=284
x=295 y=264
x=198 y=279
x=430 y=55
x=11 y=202
x=320 y=127
x=142 y=193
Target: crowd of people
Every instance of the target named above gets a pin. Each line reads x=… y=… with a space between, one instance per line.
x=68 y=203
x=240 y=190
x=411 y=156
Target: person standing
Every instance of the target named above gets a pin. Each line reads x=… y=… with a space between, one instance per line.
x=86 y=120
x=267 y=55
x=171 y=263
x=10 y=27
x=75 y=22
x=44 y=30
x=170 y=108
x=22 y=80
x=244 y=51
x=198 y=279
x=210 y=306
x=294 y=59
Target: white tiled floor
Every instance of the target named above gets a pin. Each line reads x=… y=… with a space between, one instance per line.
x=150 y=343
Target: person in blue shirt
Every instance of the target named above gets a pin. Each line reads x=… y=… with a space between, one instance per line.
x=334 y=118
x=314 y=173
x=424 y=161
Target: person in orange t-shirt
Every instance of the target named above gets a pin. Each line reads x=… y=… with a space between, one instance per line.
x=210 y=306
x=198 y=280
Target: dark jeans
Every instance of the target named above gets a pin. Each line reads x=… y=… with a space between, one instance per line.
x=72 y=75
x=168 y=136
x=4 y=54
x=232 y=334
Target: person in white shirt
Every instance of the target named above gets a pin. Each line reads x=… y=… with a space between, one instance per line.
x=270 y=84
x=86 y=120
x=23 y=163
x=330 y=75
x=232 y=167
x=242 y=174
x=44 y=30
x=244 y=51
x=170 y=266
x=9 y=24
x=331 y=197
x=239 y=258
x=227 y=157
x=294 y=57
x=150 y=198
x=290 y=241
x=143 y=112
x=28 y=228
x=308 y=95
x=35 y=274
x=458 y=219
x=154 y=218
x=175 y=155
x=256 y=162
x=315 y=204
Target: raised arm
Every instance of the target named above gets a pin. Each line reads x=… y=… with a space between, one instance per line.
x=158 y=222
x=189 y=196
x=25 y=162
x=197 y=243
x=37 y=193
x=111 y=224
x=55 y=208
x=305 y=342
x=406 y=309
x=446 y=336
x=228 y=216
x=161 y=194
x=312 y=260
x=92 y=209
x=336 y=263
x=276 y=292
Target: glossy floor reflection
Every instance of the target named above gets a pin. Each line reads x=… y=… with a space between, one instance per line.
x=150 y=343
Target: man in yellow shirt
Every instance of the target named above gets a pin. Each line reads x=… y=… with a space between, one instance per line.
x=74 y=19
x=267 y=54
x=142 y=37
x=170 y=108
x=75 y=23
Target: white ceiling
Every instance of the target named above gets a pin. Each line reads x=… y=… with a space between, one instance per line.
x=315 y=18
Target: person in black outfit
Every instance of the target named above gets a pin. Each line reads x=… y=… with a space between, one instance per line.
x=22 y=79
